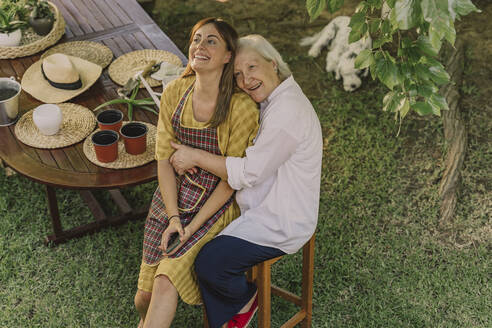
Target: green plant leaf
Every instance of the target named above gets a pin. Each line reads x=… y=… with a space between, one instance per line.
x=426 y=89
x=314 y=8
x=374 y=25
x=438 y=75
x=422 y=108
x=439 y=102
x=147 y=108
x=404 y=107
x=463 y=7
x=387 y=72
x=364 y=59
x=406 y=13
x=389 y=101
x=333 y=5
x=425 y=46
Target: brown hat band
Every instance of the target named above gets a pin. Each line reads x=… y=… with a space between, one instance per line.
x=65 y=86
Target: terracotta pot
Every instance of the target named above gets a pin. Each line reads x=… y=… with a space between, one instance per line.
x=11 y=39
x=135 y=137
x=42 y=26
x=110 y=119
x=106 y=145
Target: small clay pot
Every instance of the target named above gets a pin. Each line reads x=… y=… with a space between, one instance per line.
x=106 y=145
x=110 y=119
x=135 y=137
x=42 y=26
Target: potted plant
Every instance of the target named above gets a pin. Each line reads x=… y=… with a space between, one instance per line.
x=41 y=18
x=10 y=24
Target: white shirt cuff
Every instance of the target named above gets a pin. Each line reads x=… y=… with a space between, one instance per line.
x=235 y=172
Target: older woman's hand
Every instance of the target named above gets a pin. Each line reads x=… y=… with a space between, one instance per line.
x=182 y=159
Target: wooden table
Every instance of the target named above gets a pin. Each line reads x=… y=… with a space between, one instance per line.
x=123 y=26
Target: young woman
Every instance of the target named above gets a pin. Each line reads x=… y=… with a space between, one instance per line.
x=279 y=183
x=201 y=110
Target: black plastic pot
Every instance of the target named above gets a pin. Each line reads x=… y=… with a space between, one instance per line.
x=41 y=26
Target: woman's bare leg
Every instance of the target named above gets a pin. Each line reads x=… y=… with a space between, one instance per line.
x=163 y=304
x=142 y=301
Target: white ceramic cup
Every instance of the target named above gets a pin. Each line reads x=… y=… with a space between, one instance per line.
x=47 y=118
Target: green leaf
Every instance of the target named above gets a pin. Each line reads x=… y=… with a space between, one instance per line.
x=130 y=111
x=422 y=72
x=462 y=7
x=314 y=8
x=406 y=13
x=422 y=108
x=438 y=101
x=387 y=72
x=435 y=37
x=364 y=59
x=374 y=25
x=438 y=75
x=382 y=40
x=404 y=107
x=426 y=89
x=429 y=10
x=334 y=5
x=425 y=46
x=147 y=108
x=389 y=103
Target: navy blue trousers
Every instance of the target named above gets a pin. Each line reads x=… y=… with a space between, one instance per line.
x=220 y=267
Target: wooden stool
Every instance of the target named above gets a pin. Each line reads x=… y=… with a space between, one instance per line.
x=261 y=275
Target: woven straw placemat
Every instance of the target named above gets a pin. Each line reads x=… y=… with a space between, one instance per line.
x=126 y=66
x=94 y=52
x=32 y=43
x=77 y=123
x=124 y=160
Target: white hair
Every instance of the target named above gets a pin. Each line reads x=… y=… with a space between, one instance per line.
x=265 y=49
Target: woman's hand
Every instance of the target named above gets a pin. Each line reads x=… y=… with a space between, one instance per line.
x=182 y=159
x=175 y=227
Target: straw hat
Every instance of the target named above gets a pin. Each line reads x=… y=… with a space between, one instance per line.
x=58 y=78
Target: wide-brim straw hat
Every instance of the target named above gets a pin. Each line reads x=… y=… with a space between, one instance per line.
x=34 y=83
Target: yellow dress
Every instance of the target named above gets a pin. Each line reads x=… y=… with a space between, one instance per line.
x=234 y=135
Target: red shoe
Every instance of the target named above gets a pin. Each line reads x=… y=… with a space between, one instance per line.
x=242 y=320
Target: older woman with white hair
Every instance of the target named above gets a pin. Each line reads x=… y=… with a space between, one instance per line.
x=278 y=183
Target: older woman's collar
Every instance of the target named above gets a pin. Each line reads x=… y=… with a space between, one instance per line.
x=278 y=90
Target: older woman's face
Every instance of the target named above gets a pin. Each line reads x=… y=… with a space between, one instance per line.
x=255 y=75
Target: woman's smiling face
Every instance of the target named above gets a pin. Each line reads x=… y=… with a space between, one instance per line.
x=208 y=51
x=255 y=75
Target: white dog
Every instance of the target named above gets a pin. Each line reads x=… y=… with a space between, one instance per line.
x=341 y=55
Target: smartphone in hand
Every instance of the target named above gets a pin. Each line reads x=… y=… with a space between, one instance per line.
x=173 y=243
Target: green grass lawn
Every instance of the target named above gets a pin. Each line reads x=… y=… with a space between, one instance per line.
x=381 y=259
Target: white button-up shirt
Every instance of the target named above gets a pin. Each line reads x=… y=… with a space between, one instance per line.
x=279 y=179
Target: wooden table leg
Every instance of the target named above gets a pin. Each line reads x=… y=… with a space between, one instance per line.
x=101 y=220
x=55 y=214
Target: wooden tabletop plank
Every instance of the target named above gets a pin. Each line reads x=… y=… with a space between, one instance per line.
x=89 y=15
x=78 y=163
x=70 y=21
x=61 y=159
x=99 y=15
x=109 y=13
x=130 y=39
x=119 y=11
x=122 y=44
x=79 y=19
x=136 y=12
x=30 y=151
x=142 y=40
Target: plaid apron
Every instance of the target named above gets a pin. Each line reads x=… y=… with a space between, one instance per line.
x=193 y=191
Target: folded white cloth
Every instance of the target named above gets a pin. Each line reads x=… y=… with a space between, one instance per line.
x=167 y=72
